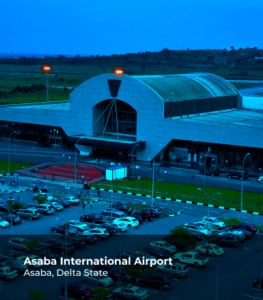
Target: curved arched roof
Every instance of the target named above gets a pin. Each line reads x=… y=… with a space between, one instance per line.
x=182 y=87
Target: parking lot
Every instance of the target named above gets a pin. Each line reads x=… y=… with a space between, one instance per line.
x=230 y=276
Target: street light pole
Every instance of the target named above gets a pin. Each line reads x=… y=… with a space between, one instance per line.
x=208 y=198
x=205 y=165
x=76 y=164
x=153 y=184
x=9 y=152
x=217 y=277
x=14 y=145
x=242 y=185
x=260 y=280
x=132 y=155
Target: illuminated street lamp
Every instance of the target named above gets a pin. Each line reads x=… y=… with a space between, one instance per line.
x=46 y=69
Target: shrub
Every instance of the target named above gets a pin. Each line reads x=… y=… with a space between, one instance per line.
x=182 y=236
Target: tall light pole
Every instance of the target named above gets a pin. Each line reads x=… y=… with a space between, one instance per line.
x=208 y=198
x=153 y=183
x=15 y=145
x=66 y=255
x=132 y=155
x=9 y=152
x=242 y=186
x=76 y=164
x=209 y=150
x=260 y=281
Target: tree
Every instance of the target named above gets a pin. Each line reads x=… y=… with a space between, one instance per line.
x=232 y=48
x=31 y=245
x=182 y=235
x=101 y=293
x=36 y=295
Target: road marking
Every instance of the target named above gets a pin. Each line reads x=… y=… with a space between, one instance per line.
x=216 y=212
x=188 y=207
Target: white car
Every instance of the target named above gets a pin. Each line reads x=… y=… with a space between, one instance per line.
x=130 y=222
x=100 y=233
x=164 y=246
x=73 y=200
x=218 y=224
x=206 y=225
x=78 y=225
x=48 y=197
x=198 y=228
x=99 y=280
x=56 y=205
x=260 y=179
x=3 y=223
x=121 y=226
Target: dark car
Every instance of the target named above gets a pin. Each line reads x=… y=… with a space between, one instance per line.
x=154 y=251
x=197 y=235
x=11 y=218
x=210 y=171
x=146 y=214
x=16 y=264
x=257 y=284
x=126 y=255
x=61 y=229
x=225 y=240
x=89 y=240
x=246 y=226
x=109 y=227
x=63 y=202
x=156 y=280
x=92 y=218
x=113 y=271
x=237 y=175
x=60 y=247
x=78 y=241
x=156 y=212
x=42 y=252
x=78 y=290
x=122 y=207
x=137 y=216
x=4 y=209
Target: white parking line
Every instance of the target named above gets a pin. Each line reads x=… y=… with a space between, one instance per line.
x=254 y=297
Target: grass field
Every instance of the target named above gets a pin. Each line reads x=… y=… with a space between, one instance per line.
x=13 y=166
x=227 y=197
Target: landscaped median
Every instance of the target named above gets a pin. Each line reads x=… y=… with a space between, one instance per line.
x=252 y=202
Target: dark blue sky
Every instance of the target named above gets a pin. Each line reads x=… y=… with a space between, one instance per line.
x=105 y=27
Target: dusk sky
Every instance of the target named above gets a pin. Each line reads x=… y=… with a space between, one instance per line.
x=105 y=27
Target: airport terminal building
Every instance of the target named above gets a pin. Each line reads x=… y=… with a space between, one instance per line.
x=166 y=117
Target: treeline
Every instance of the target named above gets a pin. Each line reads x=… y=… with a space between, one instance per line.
x=18 y=90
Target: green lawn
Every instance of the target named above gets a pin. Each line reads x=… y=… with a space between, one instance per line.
x=227 y=198
x=13 y=166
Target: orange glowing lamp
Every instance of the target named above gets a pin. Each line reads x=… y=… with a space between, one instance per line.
x=118 y=72
x=46 y=69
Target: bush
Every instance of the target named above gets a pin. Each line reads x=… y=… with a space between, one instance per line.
x=230 y=222
x=31 y=245
x=13 y=206
x=182 y=235
x=40 y=199
x=101 y=293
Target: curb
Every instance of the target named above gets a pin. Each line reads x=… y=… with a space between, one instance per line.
x=17 y=191
x=178 y=200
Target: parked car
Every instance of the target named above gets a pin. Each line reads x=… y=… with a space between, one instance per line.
x=78 y=241
x=92 y=218
x=246 y=226
x=177 y=244
x=121 y=207
x=130 y=292
x=18 y=243
x=28 y=213
x=210 y=249
x=4 y=209
x=190 y=258
x=100 y=280
x=156 y=212
x=63 y=202
x=73 y=200
x=3 y=223
x=78 y=225
x=170 y=249
x=111 y=229
x=198 y=228
x=197 y=235
x=8 y=273
x=30 y=256
x=129 y=221
x=78 y=290
x=113 y=212
x=56 y=206
x=120 y=227
x=237 y=175
x=156 y=280
x=113 y=271
x=137 y=216
x=16 y=264
x=176 y=270
x=60 y=247
x=154 y=251
x=215 y=221
x=225 y=240
x=146 y=214
x=100 y=233
x=11 y=218
x=45 y=209
x=238 y=233
x=248 y=234
x=62 y=229
x=210 y=171
x=260 y=179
